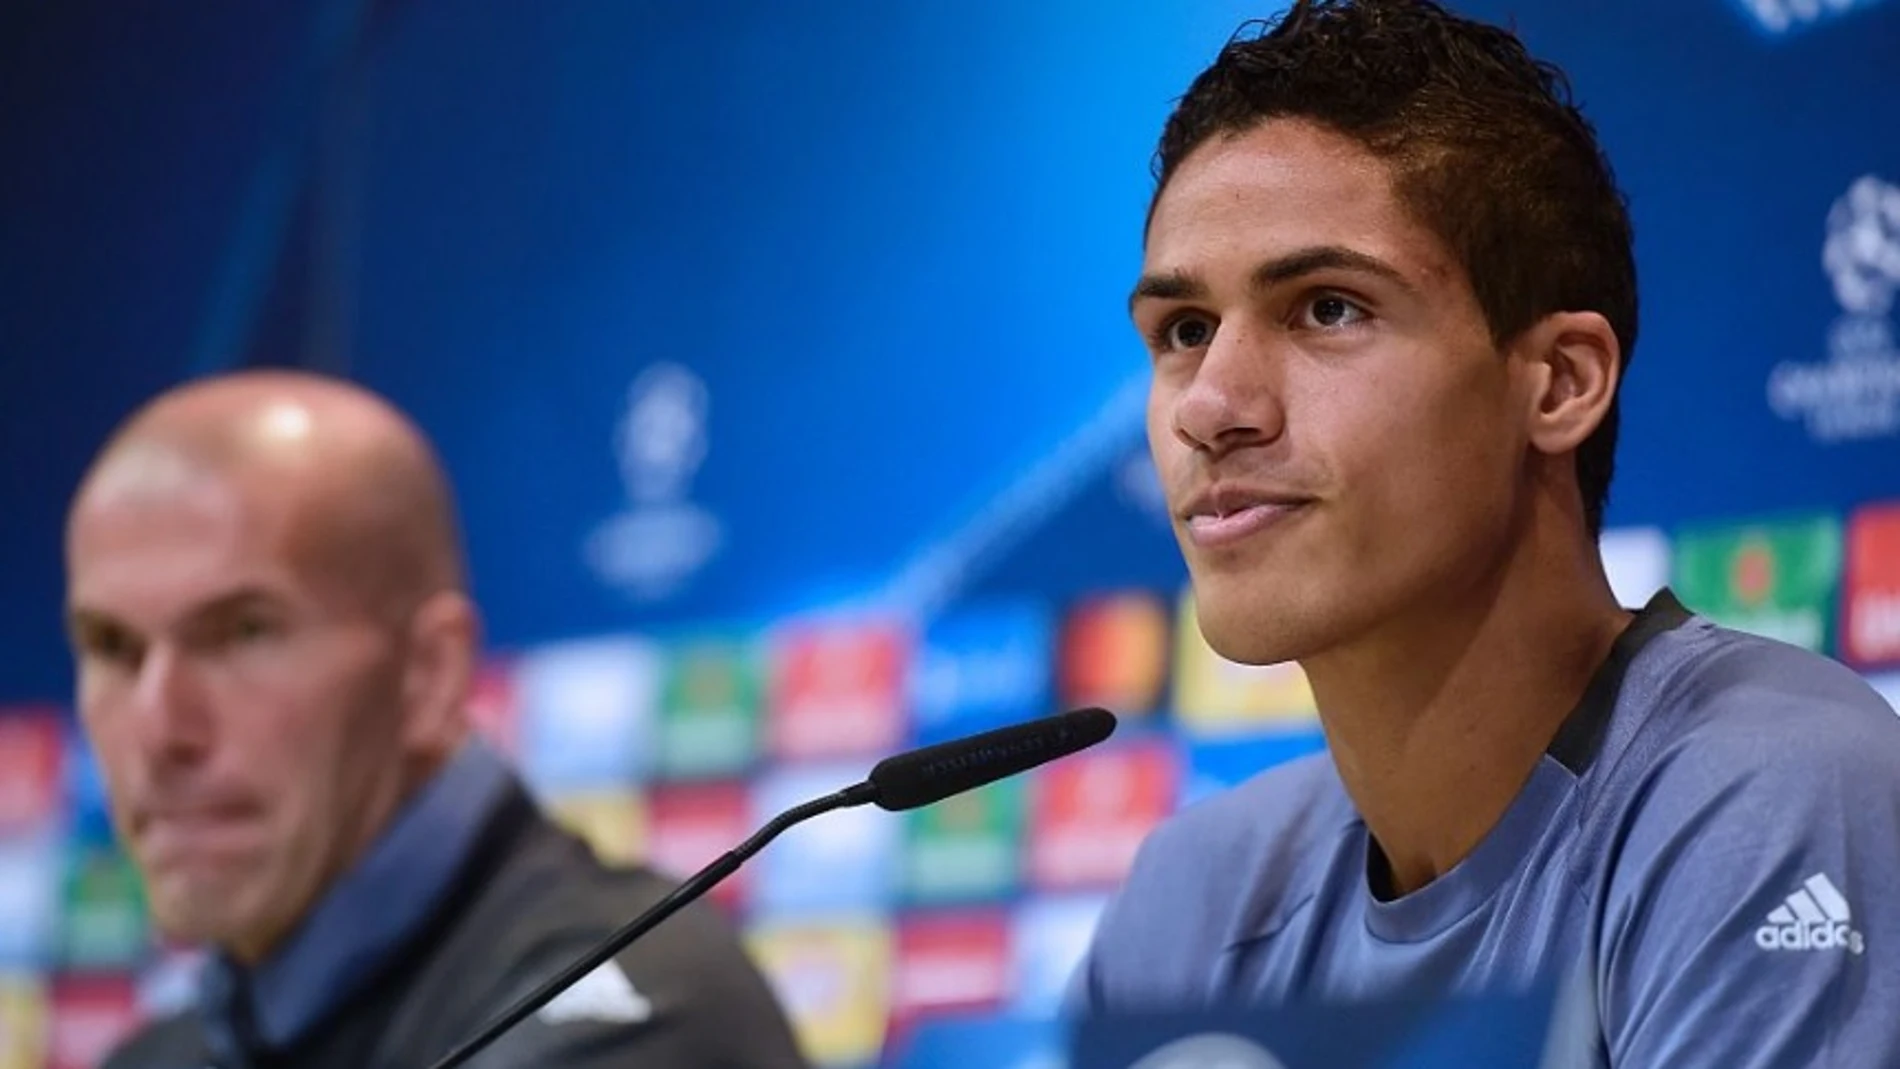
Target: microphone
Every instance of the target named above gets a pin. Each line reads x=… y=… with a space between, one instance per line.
x=906 y=781
x=933 y=773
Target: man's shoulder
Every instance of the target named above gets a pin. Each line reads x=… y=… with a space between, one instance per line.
x=1286 y=808
x=170 y=1042
x=668 y=996
x=564 y=896
x=1258 y=846
x=1754 y=757
x=548 y=866
x=1740 y=704
x=1237 y=864
x=1751 y=831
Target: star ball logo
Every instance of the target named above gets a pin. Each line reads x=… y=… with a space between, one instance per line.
x=1855 y=394
x=661 y=539
x=1777 y=18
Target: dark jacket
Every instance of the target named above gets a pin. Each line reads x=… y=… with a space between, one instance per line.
x=528 y=900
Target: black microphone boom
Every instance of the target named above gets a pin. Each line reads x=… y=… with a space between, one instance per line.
x=921 y=777
x=906 y=781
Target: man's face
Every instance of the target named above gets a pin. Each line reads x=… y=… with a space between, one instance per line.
x=246 y=714
x=1339 y=439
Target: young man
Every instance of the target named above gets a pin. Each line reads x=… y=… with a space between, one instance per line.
x=275 y=644
x=1389 y=295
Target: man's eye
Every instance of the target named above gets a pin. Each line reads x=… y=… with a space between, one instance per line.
x=111 y=645
x=1329 y=311
x=252 y=628
x=1188 y=332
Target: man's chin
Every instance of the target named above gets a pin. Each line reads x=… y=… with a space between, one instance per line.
x=188 y=929
x=1253 y=650
x=1271 y=612
x=1253 y=631
x=201 y=916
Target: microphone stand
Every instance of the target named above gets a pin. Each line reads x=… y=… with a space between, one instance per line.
x=702 y=881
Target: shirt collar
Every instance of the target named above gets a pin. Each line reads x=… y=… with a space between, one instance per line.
x=1580 y=738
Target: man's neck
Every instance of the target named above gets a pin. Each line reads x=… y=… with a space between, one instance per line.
x=1437 y=720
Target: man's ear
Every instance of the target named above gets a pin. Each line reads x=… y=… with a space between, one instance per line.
x=444 y=643
x=1577 y=364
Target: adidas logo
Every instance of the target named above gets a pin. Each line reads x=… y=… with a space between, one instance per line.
x=1813 y=918
x=602 y=995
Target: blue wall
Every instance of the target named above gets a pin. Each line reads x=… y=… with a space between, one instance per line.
x=890 y=240
x=724 y=316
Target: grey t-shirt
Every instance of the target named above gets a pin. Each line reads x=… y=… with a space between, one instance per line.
x=1712 y=842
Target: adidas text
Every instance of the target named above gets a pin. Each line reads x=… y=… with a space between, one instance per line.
x=1820 y=935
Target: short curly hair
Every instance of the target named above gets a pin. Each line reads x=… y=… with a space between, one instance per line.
x=1486 y=148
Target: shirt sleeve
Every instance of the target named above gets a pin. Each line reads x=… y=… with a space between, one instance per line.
x=1750 y=920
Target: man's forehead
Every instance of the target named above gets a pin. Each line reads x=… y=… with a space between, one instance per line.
x=1225 y=231
x=194 y=540
x=1281 y=174
x=145 y=473
x=153 y=501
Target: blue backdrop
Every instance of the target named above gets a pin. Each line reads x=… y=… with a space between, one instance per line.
x=890 y=243
x=724 y=315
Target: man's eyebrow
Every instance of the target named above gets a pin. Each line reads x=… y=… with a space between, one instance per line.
x=1306 y=261
x=1167 y=286
x=82 y=618
x=1185 y=286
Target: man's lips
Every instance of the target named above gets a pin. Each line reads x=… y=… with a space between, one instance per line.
x=1226 y=513
x=170 y=830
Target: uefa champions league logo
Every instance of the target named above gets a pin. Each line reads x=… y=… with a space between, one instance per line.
x=1855 y=394
x=1779 y=17
x=661 y=441
x=1210 y=1050
x=1862 y=254
x=661 y=539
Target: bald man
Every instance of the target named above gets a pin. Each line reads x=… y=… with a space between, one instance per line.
x=275 y=645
